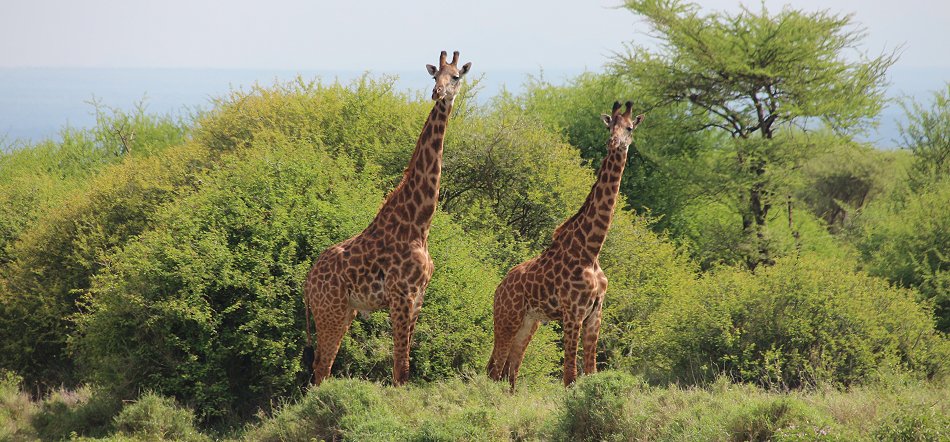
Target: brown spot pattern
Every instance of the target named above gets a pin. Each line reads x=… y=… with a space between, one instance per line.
x=565 y=283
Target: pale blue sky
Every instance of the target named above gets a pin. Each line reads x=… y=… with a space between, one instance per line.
x=387 y=35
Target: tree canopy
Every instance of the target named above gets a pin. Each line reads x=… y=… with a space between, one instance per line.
x=756 y=72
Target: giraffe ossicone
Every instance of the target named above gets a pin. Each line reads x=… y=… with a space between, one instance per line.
x=387 y=265
x=565 y=282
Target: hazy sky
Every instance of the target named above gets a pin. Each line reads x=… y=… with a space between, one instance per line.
x=388 y=35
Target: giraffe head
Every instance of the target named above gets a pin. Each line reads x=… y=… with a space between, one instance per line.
x=621 y=125
x=448 y=77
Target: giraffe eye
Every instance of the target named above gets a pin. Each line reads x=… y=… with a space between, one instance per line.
x=456 y=77
x=629 y=128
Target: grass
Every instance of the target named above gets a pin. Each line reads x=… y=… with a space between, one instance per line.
x=608 y=406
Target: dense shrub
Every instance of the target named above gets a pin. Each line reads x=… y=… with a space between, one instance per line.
x=16 y=409
x=596 y=409
x=153 y=417
x=644 y=270
x=338 y=409
x=914 y=423
x=367 y=121
x=209 y=304
x=36 y=177
x=208 y=307
x=907 y=241
x=837 y=184
x=55 y=258
x=511 y=180
x=797 y=323
x=181 y=273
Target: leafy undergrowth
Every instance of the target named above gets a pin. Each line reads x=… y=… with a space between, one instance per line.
x=608 y=406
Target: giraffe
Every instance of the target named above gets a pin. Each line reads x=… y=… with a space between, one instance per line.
x=565 y=282
x=386 y=266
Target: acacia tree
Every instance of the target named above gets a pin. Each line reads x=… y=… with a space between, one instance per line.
x=755 y=76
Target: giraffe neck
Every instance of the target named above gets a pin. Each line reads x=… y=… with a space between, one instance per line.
x=411 y=205
x=586 y=231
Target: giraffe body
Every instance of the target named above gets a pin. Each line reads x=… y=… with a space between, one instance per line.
x=387 y=266
x=565 y=283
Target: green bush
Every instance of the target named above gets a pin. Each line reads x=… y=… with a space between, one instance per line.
x=477 y=409
x=596 y=409
x=782 y=419
x=56 y=257
x=914 y=423
x=36 y=177
x=907 y=240
x=153 y=417
x=668 y=166
x=84 y=411
x=367 y=121
x=208 y=306
x=800 y=322
x=510 y=180
x=16 y=409
x=644 y=270
x=339 y=409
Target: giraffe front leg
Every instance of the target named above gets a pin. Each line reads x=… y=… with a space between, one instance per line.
x=572 y=331
x=403 y=322
x=591 y=334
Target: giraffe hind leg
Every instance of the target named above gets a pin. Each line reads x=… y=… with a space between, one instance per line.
x=519 y=347
x=330 y=331
x=590 y=335
x=506 y=326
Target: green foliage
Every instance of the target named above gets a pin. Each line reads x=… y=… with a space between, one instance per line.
x=914 y=423
x=596 y=409
x=55 y=258
x=743 y=67
x=367 y=121
x=644 y=270
x=927 y=135
x=797 y=323
x=206 y=306
x=338 y=409
x=611 y=403
x=84 y=411
x=781 y=419
x=35 y=178
x=507 y=177
x=62 y=205
x=755 y=72
x=179 y=269
x=662 y=174
x=907 y=240
x=837 y=184
x=16 y=409
x=153 y=417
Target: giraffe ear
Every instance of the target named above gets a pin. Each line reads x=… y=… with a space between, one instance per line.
x=465 y=68
x=606 y=119
x=638 y=120
x=432 y=69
